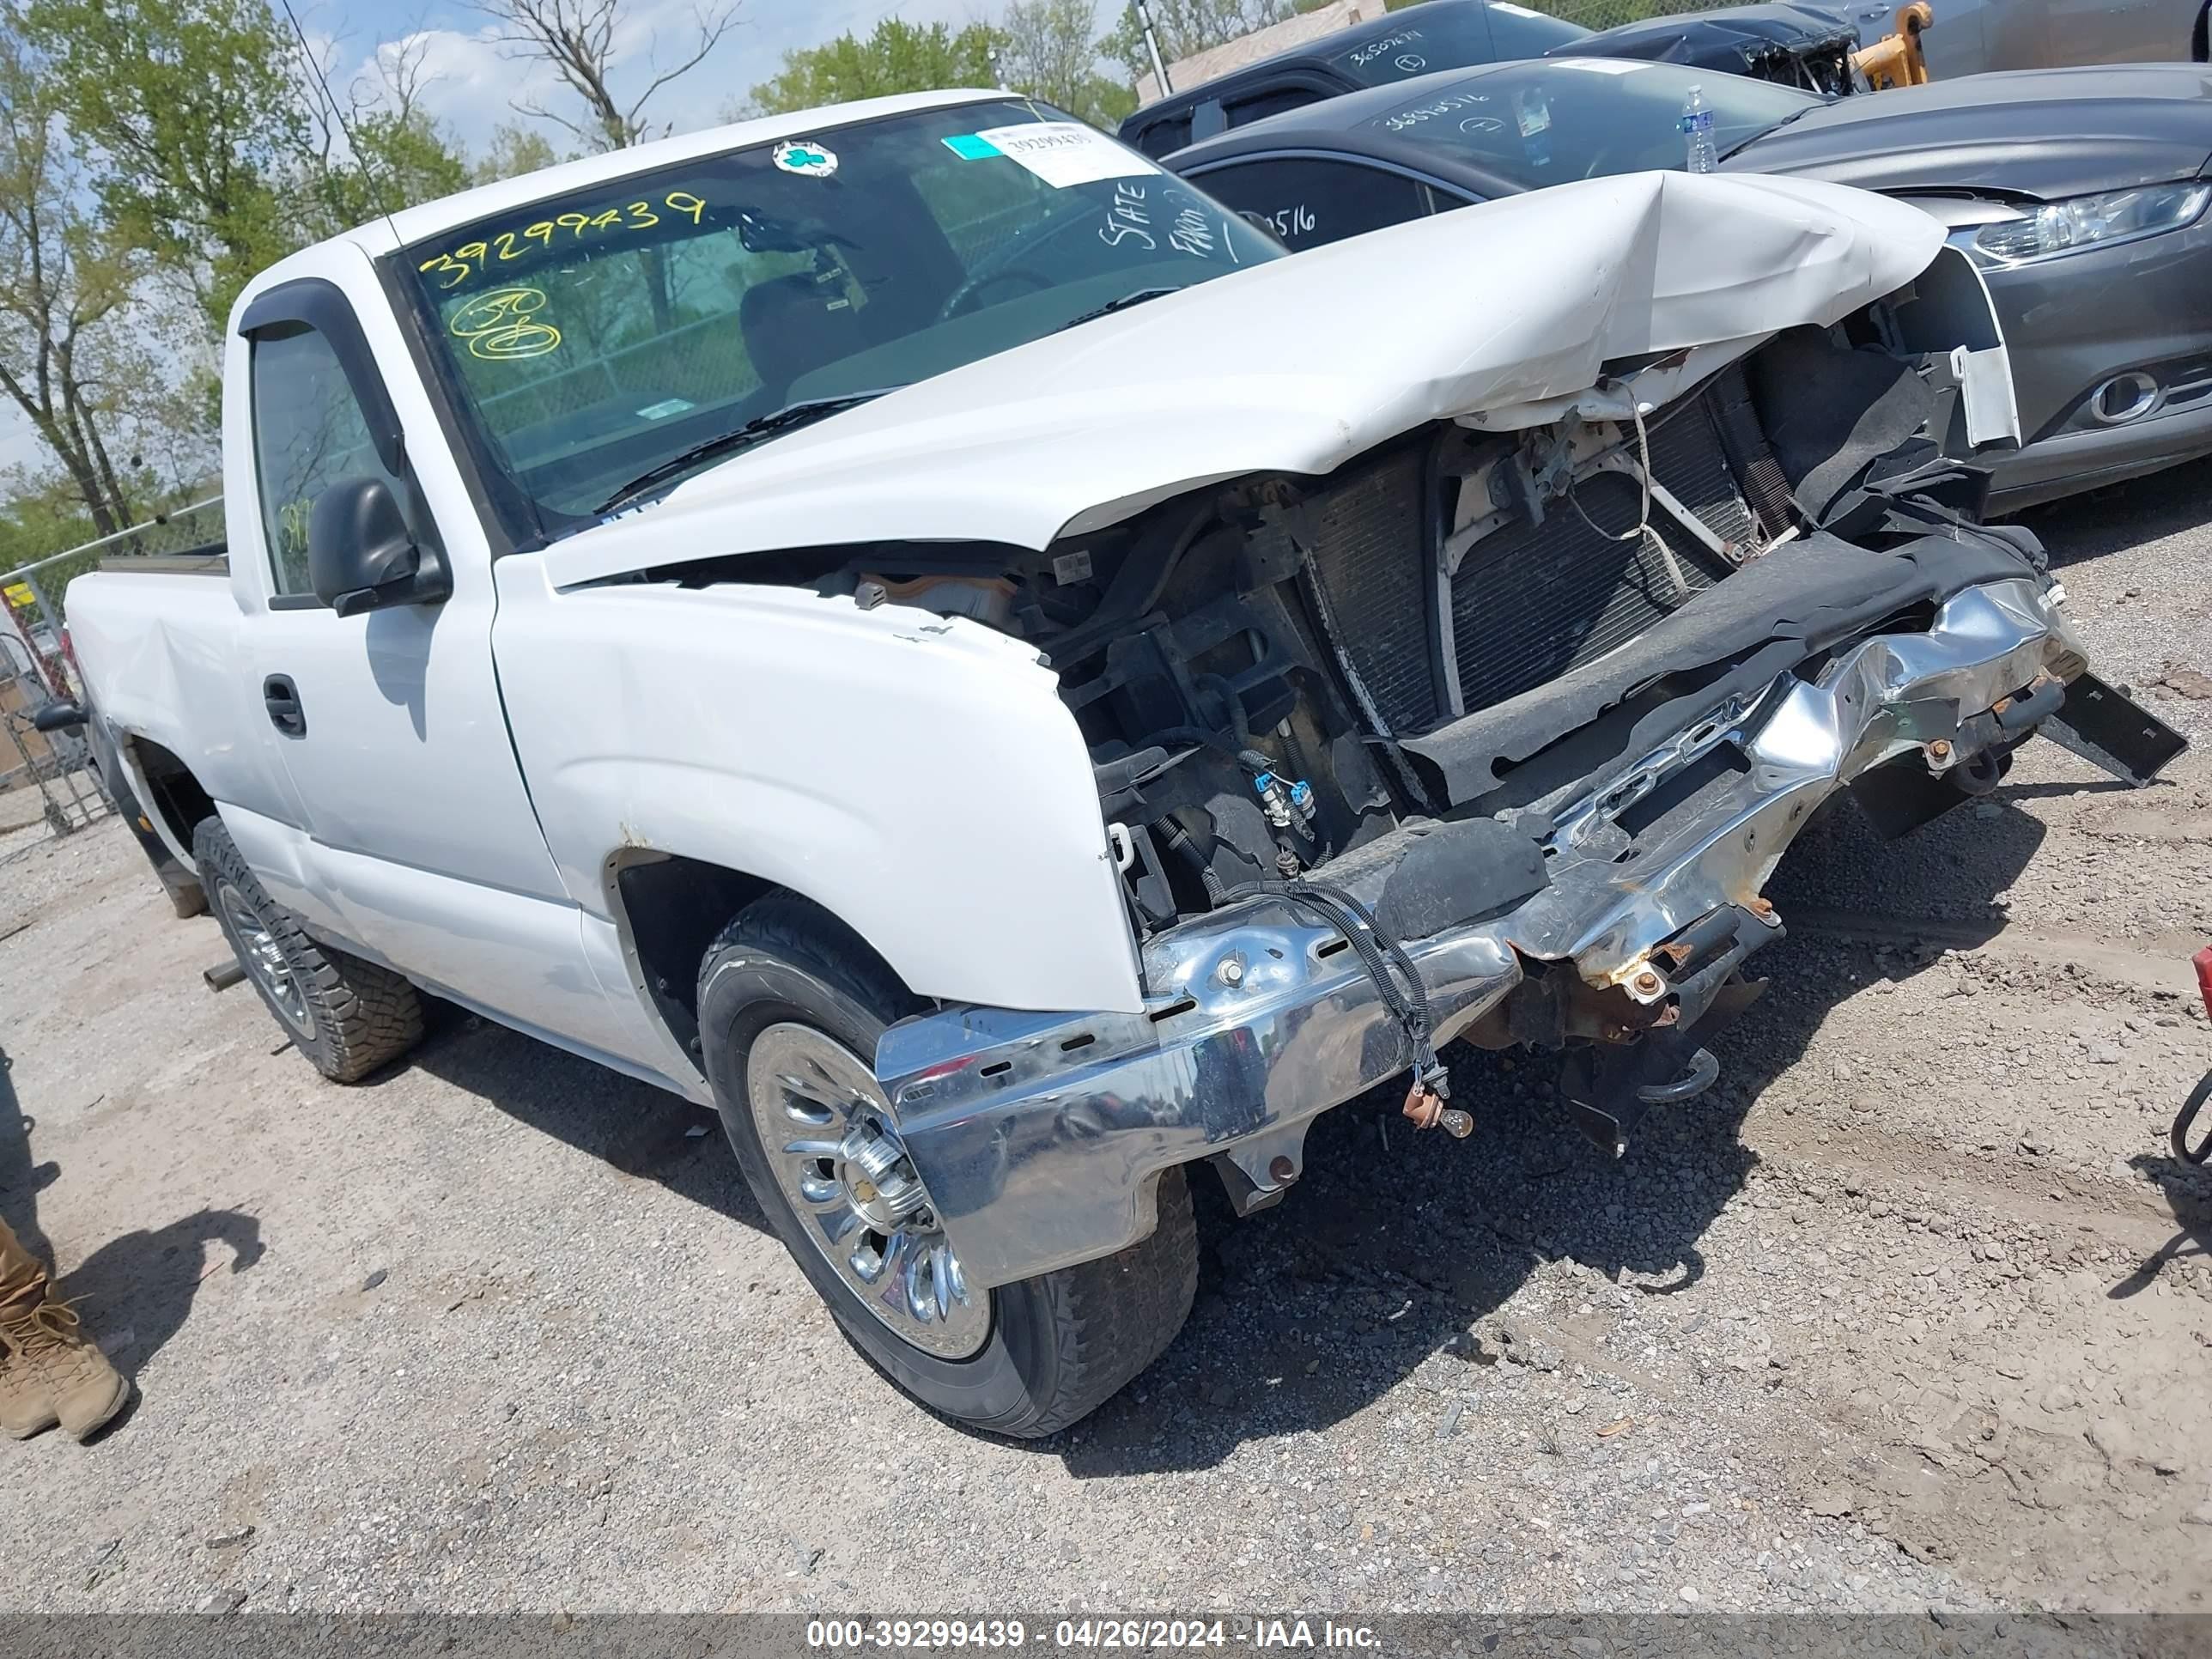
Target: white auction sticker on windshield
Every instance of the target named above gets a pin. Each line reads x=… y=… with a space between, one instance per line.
x=1063 y=152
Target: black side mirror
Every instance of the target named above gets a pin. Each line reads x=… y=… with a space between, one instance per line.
x=361 y=556
x=58 y=716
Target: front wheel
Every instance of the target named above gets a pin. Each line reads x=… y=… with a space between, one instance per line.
x=791 y=1004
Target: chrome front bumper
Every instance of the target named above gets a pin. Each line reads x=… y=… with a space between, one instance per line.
x=1041 y=1136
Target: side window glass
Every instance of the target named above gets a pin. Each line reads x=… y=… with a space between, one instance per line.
x=308 y=434
x=1260 y=106
x=1163 y=136
x=1313 y=204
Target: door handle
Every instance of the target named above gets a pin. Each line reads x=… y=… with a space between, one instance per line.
x=282 y=699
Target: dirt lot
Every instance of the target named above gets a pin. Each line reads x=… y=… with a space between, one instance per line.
x=1913 y=1311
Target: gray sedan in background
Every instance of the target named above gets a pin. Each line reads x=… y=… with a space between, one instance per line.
x=1973 y=37
x=2080 y=194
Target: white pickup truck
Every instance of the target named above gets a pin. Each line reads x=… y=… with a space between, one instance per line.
x=913 y=628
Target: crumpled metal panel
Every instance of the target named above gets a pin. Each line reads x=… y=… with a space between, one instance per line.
x=1269 y=370
x=1795 y=45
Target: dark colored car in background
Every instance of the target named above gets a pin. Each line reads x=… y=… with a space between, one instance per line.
x=1795 y=45
x=1975 y=37
x=2081 y=195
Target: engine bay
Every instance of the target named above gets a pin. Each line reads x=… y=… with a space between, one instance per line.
x=1272 y=673
x=1527 y=691
x=1535 y=615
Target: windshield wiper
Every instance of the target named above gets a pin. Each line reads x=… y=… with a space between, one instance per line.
x=1121 y=304
x=801 y=413
x=1742 y=144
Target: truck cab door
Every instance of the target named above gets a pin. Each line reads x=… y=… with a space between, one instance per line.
x=418 y=845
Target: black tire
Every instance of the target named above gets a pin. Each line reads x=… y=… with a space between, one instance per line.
x=354 y=1016
x=2199 y=1098
x=1060 y=1345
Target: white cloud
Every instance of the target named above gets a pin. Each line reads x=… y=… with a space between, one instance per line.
x=467 y=80
x=472 y=82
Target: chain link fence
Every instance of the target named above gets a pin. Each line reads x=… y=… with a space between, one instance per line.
x=48 y=778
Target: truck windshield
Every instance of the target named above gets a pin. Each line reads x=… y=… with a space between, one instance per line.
x=596 y=340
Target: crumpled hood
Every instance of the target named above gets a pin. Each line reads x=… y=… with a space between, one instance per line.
x=1741 y=39
x=1295 y=365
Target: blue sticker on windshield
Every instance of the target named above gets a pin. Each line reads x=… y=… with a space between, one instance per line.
x=972 y=146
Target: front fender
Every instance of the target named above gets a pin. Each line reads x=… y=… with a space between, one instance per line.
x=916 y=775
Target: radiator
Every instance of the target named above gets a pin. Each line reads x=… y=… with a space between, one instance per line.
x=1528 y=604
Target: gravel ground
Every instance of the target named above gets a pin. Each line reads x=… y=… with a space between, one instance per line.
x=1913 y=1311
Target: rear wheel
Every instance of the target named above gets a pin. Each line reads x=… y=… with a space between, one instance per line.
x=791 y=1004
x=347 y=1016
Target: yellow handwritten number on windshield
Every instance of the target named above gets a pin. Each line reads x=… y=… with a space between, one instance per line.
x=498 y=325
x=466 y=260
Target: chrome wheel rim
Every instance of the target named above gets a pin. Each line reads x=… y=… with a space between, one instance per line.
x=260 y=956
x=828 y=1134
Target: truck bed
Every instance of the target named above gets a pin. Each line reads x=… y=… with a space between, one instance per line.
x=212 y=559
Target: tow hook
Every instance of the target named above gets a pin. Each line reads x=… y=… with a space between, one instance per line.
x=1610 y=1087
x=1426 y=1108
x=1698 y=1076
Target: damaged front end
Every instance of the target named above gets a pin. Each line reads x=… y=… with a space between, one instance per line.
x=1792 y=45
x=1616 y=929
x=1494 y=734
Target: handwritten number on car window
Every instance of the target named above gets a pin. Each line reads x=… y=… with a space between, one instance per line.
x=456 y=270
x=466 y=261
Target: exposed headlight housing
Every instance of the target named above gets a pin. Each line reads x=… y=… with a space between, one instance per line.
x=2086 y=221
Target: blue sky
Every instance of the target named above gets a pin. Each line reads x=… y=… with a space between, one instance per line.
x=472 y=87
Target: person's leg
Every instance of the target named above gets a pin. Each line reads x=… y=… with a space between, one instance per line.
x=23 y=1277
x=52 y=1373
x=25 y=1408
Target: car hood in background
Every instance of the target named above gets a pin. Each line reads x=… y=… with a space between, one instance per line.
x=2040 y=133
x=1758 y=40
x=1295 y=365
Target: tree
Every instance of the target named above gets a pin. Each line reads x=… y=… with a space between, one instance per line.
x=513 y=151
x=577 y=38
x=899 y=57
x=217 y=147
x=1185 y=26
x=64 y=291
x=383 y=152
x=190 y=107
x=1049 y=49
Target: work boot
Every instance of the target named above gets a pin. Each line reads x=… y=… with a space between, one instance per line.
x=25 y=1410
x=64 y=1371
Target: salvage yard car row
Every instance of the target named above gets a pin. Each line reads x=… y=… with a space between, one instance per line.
x=2068 y=188
x=915 y=626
